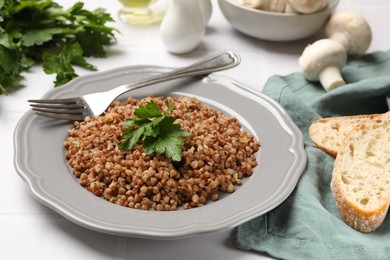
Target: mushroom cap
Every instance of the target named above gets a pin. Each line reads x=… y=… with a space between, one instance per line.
x=354 y=28
x=276 y=6
x=266 y=5
x=307 y=6
x=252 y=3
x=319 y=55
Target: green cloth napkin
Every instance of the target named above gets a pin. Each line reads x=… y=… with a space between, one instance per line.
x=307 y=225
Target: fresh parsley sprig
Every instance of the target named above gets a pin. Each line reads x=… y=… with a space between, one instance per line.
x=43 y=32
x=155 y=130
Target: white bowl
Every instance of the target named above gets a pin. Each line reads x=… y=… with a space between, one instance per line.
x=275 y=26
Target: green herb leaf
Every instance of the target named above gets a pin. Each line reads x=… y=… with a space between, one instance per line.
x=168 y=141
x=40 y=36
x=150 y=110
x=160 y=135
x=131 y=138
x=36 y=31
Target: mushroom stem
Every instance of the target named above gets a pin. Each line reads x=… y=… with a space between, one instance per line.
x=330 y=77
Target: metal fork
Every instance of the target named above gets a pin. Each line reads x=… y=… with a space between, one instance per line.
x=77 y=108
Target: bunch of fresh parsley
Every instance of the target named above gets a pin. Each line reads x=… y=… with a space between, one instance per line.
x=42 y=31
x=155 y=130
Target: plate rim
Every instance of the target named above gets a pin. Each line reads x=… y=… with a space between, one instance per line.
x=296 y=169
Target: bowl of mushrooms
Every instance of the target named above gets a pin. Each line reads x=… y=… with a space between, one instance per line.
x=278 y=20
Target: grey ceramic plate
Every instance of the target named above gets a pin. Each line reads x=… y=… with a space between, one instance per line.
x=40 y=159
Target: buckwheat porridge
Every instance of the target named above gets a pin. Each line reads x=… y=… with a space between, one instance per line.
x=216 y=156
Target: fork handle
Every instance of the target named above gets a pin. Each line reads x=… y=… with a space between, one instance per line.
x=218 y=62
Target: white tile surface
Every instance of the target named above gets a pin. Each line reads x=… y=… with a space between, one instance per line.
x=29 y=230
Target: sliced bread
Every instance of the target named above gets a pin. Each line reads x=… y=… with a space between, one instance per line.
x=328 y=133
x=361 y=175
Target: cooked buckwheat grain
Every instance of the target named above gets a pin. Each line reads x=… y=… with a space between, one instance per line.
x=216 y=156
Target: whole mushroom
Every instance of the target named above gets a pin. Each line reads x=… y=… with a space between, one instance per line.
x=306 y=6
x=322 y=61
x=351 y=30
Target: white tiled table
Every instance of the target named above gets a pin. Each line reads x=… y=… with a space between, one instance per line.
x=29 y=230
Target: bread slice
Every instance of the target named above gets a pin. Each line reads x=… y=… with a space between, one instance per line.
x=361 y=175
x=328 y=133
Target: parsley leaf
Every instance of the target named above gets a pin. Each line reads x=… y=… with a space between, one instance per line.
x=160 y=135
x=60 y=64
x=43 y=32
x=148 y=111
x=40 y=36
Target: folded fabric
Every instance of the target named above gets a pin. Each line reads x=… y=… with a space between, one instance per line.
x=307 y=225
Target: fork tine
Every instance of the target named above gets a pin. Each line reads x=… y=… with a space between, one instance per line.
x=57 y=106
x=62 y=116
x=54 y=101
x=73 y=109
x=60 y=111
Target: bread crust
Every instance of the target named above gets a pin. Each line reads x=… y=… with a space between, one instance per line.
x=353 y=214
x=329 y=133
